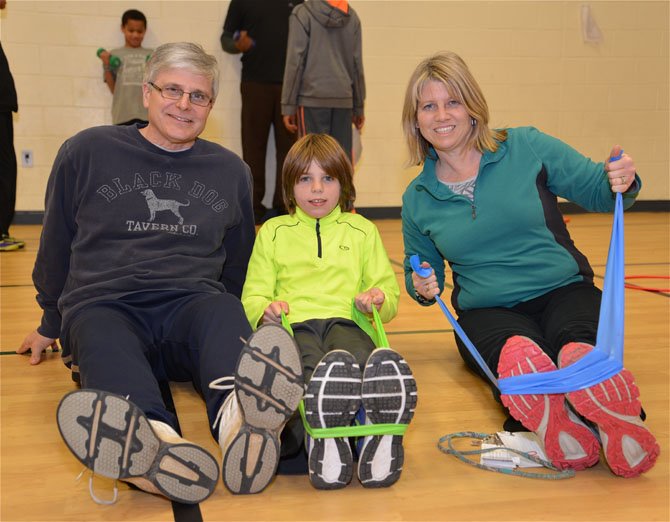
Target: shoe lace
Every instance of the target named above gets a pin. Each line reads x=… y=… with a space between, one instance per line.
x=222 y=383
x=91 y=491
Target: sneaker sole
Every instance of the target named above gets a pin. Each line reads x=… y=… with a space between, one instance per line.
x=614 y=406
x=269 y=386
x=389 y=396
x=546 y=413
x=332 y=399
x=112 y=437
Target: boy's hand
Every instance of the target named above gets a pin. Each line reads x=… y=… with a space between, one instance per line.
x=244 y=42
x=290 y=123
x=37 y=344
x=366 y=300
x=105 y=57
x=272 y=313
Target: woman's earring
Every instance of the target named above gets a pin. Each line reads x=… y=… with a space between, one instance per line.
x=473 y=122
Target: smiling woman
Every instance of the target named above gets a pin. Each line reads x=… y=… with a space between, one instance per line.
x=486 y=204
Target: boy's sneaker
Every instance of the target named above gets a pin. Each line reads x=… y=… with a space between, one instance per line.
x=389 y=397
x=7 y=244
x=12 y=240
x=268 y=389
x=614 y=406
x=332 y=399
x=112 y=437
x=568 y=442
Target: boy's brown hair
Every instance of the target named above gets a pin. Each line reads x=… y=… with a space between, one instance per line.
x=331 y=158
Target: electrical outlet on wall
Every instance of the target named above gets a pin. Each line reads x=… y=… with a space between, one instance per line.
x=27 y=158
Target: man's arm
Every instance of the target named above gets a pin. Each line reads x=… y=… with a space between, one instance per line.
x=239 y=241
x=52 y=264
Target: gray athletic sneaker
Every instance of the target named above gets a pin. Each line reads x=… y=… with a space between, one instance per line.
x=268 y=389
x=332 y=399
x=389 y=396
x=112 y=437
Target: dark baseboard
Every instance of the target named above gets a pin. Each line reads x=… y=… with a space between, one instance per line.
x=28 y=217
x=34 y=217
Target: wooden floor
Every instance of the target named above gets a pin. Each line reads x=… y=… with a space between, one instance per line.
x=39 y=474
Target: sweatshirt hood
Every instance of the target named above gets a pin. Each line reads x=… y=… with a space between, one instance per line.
x=329 y=13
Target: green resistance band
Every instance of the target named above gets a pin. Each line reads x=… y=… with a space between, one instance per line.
x=378 y=335
x=362 y=430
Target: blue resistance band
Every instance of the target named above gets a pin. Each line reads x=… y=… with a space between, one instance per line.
x=596 y=366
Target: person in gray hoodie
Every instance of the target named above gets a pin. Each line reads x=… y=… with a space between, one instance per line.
x=324 y=84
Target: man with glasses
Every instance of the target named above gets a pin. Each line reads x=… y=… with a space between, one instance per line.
x=147 y=233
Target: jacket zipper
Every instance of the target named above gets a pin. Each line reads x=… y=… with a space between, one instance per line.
x=318 y=238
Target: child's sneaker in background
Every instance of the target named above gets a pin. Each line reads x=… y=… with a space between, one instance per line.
x=8 y=244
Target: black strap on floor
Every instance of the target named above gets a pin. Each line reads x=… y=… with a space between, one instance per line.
x=181 y=512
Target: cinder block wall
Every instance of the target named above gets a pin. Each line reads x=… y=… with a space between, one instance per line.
x=529 y=57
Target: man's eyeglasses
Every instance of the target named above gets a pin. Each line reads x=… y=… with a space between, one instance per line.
x=174 y=93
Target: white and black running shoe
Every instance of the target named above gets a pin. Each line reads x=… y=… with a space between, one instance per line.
x=332 y=399
x=389 y=396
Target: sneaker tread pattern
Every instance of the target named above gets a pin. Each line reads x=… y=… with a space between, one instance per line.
x=389 y=395
x=332 y=399
x=269 y=386
x=113 y=437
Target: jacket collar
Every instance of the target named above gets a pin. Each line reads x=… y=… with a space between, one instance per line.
x=308 y=220
x=428 y=179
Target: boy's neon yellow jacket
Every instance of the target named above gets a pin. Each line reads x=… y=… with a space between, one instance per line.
x=318 y=267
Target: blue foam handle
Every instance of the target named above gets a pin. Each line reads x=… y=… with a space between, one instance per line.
x=416 y=266
x=421 y=271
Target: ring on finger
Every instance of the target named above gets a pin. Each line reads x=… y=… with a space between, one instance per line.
x=623 y=180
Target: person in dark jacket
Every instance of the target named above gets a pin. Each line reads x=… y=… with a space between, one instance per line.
x=8 y=167
x=259 y=30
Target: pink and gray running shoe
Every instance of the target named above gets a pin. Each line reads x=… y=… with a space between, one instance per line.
x=568 y=442
x=614 y=406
